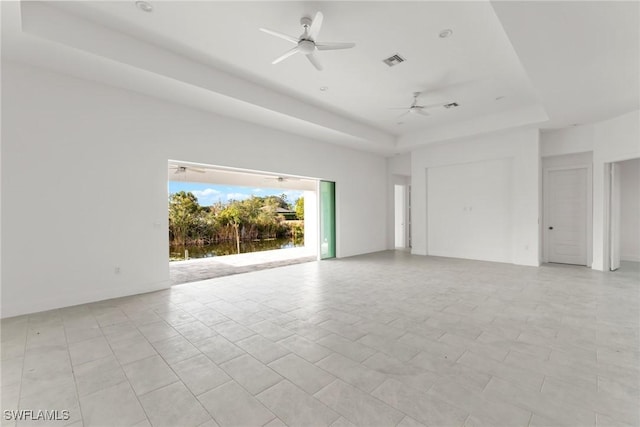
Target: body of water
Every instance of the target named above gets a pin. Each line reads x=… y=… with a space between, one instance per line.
x=229 y=248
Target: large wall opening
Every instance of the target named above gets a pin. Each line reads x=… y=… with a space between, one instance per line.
x=224 y=221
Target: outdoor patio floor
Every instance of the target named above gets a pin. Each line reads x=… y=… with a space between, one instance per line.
x=208 y=268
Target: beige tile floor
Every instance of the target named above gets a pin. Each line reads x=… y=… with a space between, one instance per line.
x=387 y=339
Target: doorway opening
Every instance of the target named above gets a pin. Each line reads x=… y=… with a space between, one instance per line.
x=224 y=221
x=624 y=214
x=401 y=216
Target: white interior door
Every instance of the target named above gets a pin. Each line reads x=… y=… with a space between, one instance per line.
x=614 y=218
x=399 y=217
x=566 y=222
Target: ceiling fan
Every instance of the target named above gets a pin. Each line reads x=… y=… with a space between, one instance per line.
x=282 y=178
x=415 y=108
x=306 y=43
x=183 y=169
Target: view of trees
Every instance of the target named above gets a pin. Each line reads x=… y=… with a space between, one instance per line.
x=237 y=220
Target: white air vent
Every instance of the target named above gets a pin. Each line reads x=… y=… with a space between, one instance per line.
x=451 y=105
x=393 y=60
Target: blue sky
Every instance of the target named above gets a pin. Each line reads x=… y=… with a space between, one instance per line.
x=209 y=194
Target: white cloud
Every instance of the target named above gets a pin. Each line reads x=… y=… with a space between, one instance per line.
x=238 y=196
x=207 y=197
x=258 y=190
x=206 y=192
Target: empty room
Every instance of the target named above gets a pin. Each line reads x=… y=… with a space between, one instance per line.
x=467 y=171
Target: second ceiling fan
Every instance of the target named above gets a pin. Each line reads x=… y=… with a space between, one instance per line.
x=306 y=43
x=416 y=108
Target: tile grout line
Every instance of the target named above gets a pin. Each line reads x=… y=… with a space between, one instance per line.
x=24 y=358
x=120 y=363
x=179 y=379
x=312 y=396
x=73 y=371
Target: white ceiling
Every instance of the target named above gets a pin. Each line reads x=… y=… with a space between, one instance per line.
x=206 y=174
x=553 y=63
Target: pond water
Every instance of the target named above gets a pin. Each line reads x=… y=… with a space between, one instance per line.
x=229 y=248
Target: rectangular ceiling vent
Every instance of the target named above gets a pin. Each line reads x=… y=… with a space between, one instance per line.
x=452 y=105
x=393 y=60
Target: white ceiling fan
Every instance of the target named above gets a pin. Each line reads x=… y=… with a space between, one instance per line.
x=306 y=43
x=415 y=108
x=183 y=169
x=282 y=178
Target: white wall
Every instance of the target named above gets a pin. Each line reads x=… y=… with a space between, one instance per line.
x=611 y=140
x=469 y=210
x=522 y=147
x=84 y=185
x=575 y=139
x=630 y=210
x=311 y=215
x=400 y=164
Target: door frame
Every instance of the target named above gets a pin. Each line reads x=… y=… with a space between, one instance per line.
x=545 y=209
x=614 y=202
x=400 y=189
x=606 y=214
x=327 y=220
x=404 y=180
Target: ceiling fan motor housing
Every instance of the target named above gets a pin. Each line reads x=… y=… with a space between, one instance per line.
x=306 y=46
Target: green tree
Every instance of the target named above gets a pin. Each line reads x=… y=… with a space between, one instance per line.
x=235 y=220
x=285 y=201
x=232 y=215
x=300 y=208
x=277 y=201
x=184 y=212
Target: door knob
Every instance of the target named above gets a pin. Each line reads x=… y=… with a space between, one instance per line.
x=550 y=228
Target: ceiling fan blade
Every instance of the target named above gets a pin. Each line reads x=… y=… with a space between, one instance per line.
x=397 y=108
x=334 y=46
x=421 y=112
x=281 y=35
x=425 y=107
x=314 y=60
x=286 y=55
x=403 y=114
x=314 y=30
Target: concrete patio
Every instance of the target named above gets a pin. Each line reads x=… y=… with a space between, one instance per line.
x=207 y=268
